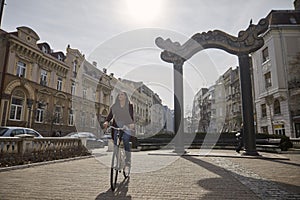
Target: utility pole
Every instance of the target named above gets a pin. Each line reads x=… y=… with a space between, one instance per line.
x=2 y=2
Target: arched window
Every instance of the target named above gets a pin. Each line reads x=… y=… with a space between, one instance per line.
x=17 y=105
x=277 y=107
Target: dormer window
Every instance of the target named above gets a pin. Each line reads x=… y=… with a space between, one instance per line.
x=44 y=49
x=293 y=20
x=59 y=57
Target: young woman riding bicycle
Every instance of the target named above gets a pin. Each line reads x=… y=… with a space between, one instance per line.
x=121 y=112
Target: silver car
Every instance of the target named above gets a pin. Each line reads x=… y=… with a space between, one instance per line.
x=12 y=131
x=91 y=140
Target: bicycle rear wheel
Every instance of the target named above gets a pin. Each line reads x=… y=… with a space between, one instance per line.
x=114 y=171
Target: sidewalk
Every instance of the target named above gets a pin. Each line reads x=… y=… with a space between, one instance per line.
x=222 y=174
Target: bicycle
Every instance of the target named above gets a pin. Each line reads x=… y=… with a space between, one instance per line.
x=118 y=158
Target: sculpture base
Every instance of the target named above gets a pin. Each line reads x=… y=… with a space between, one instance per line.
x=250 y=153
x=180 y=151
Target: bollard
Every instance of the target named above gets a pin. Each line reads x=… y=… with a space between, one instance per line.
x=110 y=145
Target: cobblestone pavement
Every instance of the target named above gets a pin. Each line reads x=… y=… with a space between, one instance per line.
x=222 y=174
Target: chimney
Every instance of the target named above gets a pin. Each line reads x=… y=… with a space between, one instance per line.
x=297 y=4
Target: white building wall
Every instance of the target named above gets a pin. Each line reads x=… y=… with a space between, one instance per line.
x=275 y=40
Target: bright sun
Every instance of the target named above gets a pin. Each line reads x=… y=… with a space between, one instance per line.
x=144 y=11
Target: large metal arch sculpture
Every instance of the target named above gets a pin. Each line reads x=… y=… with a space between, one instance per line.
x=247 y=42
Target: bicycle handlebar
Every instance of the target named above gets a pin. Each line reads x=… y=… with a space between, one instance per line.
x=124 y=128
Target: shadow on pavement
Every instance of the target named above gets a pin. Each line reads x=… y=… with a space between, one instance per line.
x=119 y=193
x=241 y=187
x=285 y=162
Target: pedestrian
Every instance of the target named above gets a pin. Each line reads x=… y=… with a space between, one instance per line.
x=240 y=138
x=121 y=114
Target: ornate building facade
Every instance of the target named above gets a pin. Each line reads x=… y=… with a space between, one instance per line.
x=46 y=90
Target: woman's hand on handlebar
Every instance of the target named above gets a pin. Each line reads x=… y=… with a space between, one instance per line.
x=131 y=126
x=105 y=125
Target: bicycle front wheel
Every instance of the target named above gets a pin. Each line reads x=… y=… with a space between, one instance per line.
x=126 y=171
x=114 y=171
x=126 y=168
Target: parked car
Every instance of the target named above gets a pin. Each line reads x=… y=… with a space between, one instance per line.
x=106 y=138
x=11 y=131
x=92 y=141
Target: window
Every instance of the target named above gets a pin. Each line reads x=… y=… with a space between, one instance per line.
x=32 y=132
x=84 y=92
x=265 y=54
x=59 y=57
x=43 y=80
x=263 y=110
x=21 y=67
x=82 y=119
x=16 y=109
x=73 y=88
x=59 y=83
x=268 y=81
x=94 y=95
x=293 y=20
x=44 y=49
x=17 y=132
x=277 y=107
x=279 y=129
x=75 y=69
x=105 y=98
x=39 y=115
x=57 y=115
x=264 y=129
x=71 y=117
x=93 y=121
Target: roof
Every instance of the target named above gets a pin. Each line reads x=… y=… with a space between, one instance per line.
x=284 y=17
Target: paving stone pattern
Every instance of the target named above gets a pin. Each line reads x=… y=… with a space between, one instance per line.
x=187 y=177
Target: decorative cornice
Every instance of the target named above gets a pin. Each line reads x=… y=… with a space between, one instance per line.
x=33 y=55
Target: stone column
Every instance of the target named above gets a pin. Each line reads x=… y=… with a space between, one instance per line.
x=247 y=105
x=178 y=107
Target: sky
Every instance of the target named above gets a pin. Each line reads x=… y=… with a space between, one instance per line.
x=119 y=35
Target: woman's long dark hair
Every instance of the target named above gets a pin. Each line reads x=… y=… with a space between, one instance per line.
x=117 y=102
